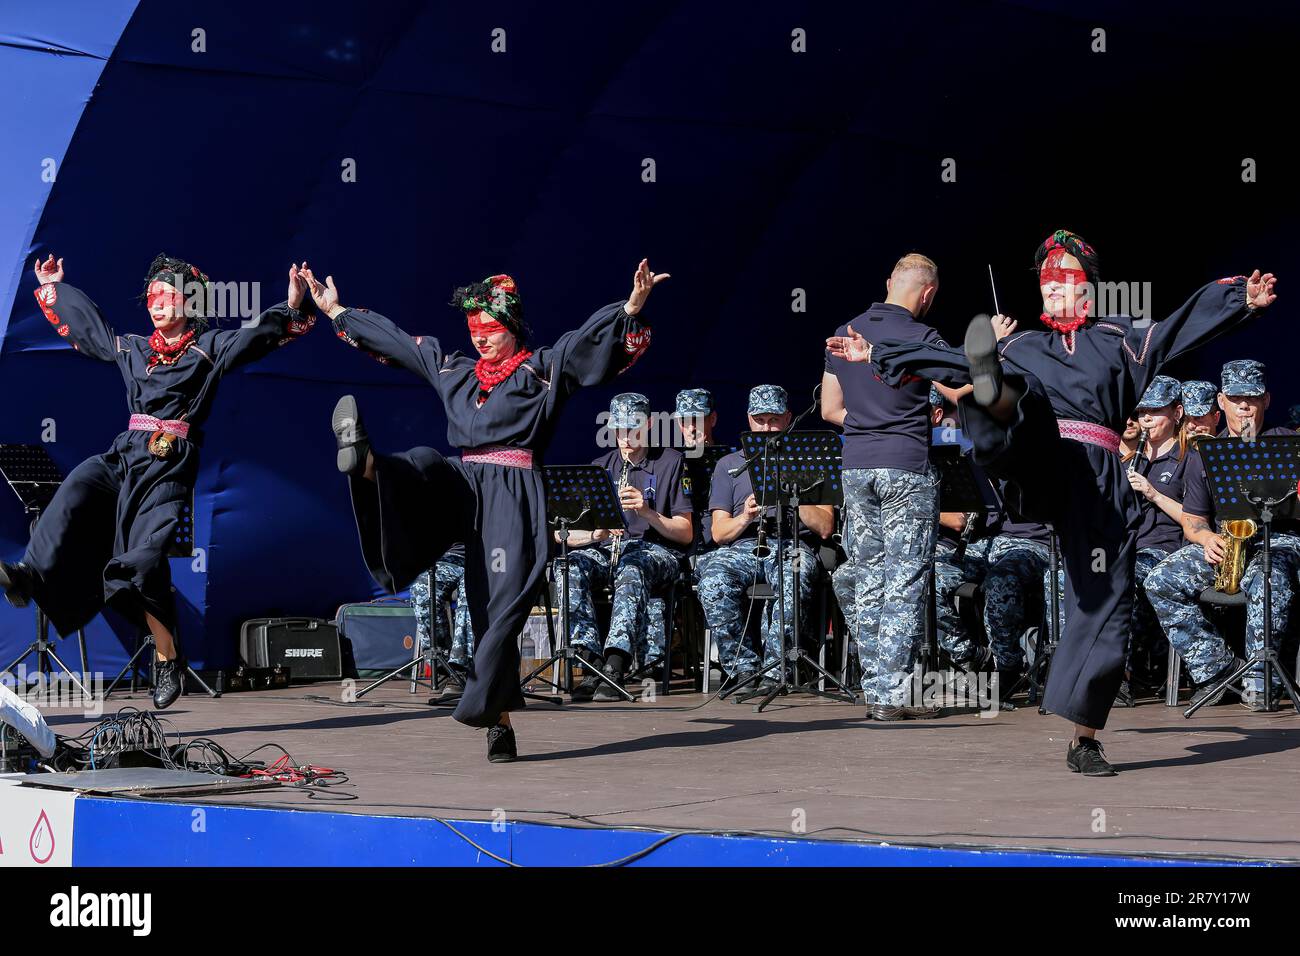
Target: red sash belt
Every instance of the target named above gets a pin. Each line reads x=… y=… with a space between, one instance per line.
x=1089 y=434
x=147 y=423
x=499 y=455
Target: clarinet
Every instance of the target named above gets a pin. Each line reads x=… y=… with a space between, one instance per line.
x=618 y=538
x=1142 y=443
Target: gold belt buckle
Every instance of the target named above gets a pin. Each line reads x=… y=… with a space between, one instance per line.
x=161 y=444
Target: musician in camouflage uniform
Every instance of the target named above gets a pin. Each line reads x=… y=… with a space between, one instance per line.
x=1175 y=584
x=725 y=573
x=658 y=517
x=429 y=592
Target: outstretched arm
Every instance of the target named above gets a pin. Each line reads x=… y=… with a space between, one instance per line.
x=377 y=336
x=278 y=325
x=72 y=313
x=1211 y=311
x=610 y=341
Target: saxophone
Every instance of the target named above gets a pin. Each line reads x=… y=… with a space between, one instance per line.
x=1236 y=537
x=618 y=538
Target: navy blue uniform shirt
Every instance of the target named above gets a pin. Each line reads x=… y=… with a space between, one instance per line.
x=660 y=476
x=1165 y=473
x=884 y=427
x=728 y=494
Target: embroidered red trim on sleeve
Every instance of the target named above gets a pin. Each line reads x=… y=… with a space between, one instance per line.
x=46 y=296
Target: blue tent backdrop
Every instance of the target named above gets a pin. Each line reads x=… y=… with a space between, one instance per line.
x=222 y=132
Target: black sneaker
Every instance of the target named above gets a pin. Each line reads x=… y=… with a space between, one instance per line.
x=166 y=683
x=981 y=347
x=1088 y=758
x=735 y=680
x=16 y=582
x=613 y=669
x=981 y=660
x=1203 y=690
x=1124 y=696
x=586 y=688
x=350 y=434
x=889 y=712
x=501 y=744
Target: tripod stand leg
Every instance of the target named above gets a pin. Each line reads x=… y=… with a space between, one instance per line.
x=72 y=674
x=194 y=676
x=131 y=667
x=389 y=676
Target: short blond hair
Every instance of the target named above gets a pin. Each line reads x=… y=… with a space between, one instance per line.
x=917 y=268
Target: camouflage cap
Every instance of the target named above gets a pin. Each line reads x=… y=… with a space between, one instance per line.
x=1162 y=391
x=1243 y=377
x=767 y=400
x=692 y=402
x=1198 y=397
x=629 y=410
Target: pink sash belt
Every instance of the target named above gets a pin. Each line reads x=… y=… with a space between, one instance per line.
x=147 y=423
x=499 y=455
x=1089 y=434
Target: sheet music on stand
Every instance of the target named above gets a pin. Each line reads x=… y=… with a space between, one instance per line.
x=1270 y=463
x=958 y=490
x=811 y=461
x=31 y=473
x=583 y=496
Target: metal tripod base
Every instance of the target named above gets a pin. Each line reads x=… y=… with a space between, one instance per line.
x=438 y=662
x=568 y=655
x=132 y=666
x=44 y=651
x=1269 y=659
x=784 y=687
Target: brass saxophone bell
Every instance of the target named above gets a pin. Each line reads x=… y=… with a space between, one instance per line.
x=1236 y=538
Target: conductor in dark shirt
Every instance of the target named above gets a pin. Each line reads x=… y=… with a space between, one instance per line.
x=891 y=492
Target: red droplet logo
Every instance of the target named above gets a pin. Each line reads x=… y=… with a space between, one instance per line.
x=42 y=840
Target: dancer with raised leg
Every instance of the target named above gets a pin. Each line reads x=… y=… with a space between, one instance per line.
x=105 y=535
x=502 y=407
x=1046 y=414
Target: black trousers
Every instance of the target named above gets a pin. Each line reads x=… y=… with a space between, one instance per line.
x=1081 y=490
x=420 y=504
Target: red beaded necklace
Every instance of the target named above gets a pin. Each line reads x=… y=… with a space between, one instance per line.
x=165 y=353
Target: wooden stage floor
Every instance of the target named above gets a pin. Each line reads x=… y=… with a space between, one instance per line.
x=1222 y=784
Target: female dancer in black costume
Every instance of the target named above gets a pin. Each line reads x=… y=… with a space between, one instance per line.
x=104 y=537
x=1046 y=414
x=502 y=409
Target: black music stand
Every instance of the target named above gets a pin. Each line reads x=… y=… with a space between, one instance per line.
x=958 y=491
x=1256 y=480
x=34 y=477
x=578 y=498
x=788 y=469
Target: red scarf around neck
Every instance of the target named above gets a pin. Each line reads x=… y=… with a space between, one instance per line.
x=166 y=354
x=492 y=374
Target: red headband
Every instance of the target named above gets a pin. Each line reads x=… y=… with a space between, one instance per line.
x=482 y=323
x=1053 y=271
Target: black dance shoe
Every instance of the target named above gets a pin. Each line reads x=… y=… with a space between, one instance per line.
x=501 y=744
x=615 y=667
x=1088 y=758
x=981 y=348
x=167 y=677
x=16 y=581
x=354 y=444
